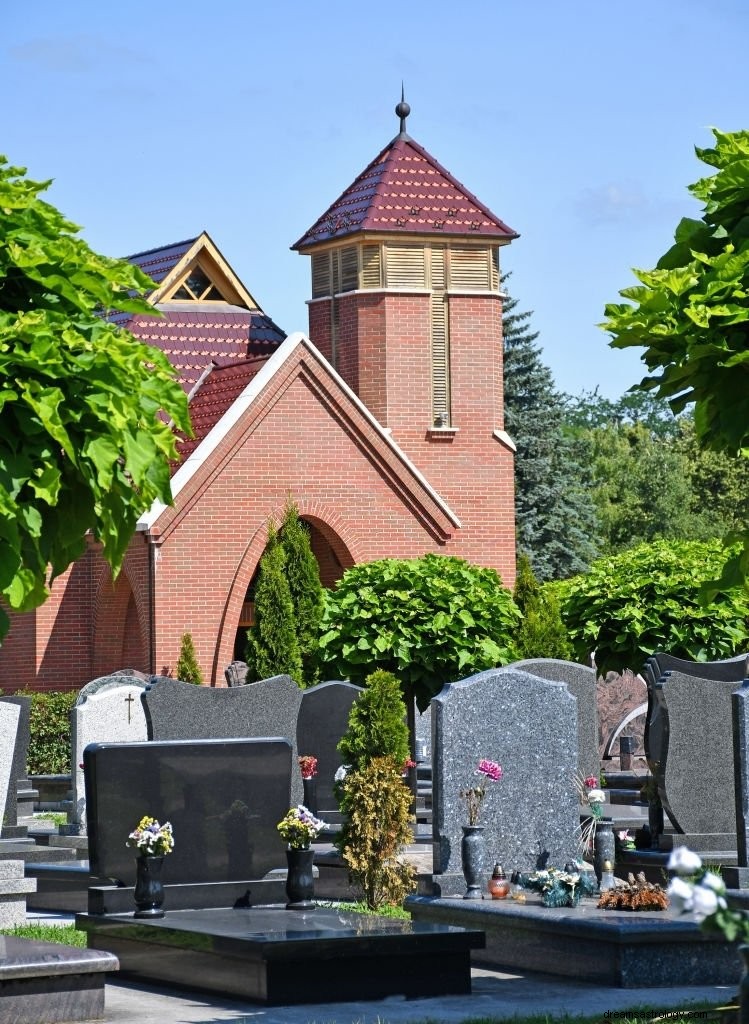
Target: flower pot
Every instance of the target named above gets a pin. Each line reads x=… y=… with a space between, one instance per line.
x=604 y=846
x=300 y=882
x=149 y=889
x=310 y=794
x=472 y=860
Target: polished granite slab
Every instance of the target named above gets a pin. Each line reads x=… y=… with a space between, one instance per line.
x=626 y=949
x=45 y=982
x=284 y=957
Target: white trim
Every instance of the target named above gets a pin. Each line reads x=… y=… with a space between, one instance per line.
x=262 y=378
x=380 y=290
x=504 y=438
x=474 y=291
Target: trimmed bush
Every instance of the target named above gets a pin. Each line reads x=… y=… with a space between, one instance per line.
x=188 y=669
x=377 y=723
x=49 y=748
x=272 y=647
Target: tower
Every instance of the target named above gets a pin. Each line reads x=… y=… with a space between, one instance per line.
x=406 y=305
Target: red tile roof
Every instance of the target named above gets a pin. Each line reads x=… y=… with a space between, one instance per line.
x=216 y=393
x=193 y=339
x=157 y=263
x=405 y=190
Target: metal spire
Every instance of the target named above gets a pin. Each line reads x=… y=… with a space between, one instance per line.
x=402 y=111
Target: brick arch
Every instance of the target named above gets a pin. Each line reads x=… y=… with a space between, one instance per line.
x=119 y=624
x=336 y=531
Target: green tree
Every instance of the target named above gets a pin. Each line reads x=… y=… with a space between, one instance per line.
x=188 y=669
x=272 y=647
x=303 y=576
x=554 y=517
x=647 y=599
x=83 y=442
x=691 y=314
x=428 y=620
x=542 y=633
x=377 y=723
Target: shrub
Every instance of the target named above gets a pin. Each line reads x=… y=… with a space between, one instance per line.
x=428 y=620
x=49 y=747
x=303 y=577
x=376 y=806
x=272 y=647
x=188 y=669
x=377 y=724
x=648 y=599
x=542 y=633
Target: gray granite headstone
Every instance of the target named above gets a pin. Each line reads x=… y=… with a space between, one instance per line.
x=696 y=784
x=9 y=716
x=581 y=682
x=323 y=720
x=111 y=714
x=181 y=711
x=20 y=757
x=223 y=798
x=124 y=677
x=529 y=726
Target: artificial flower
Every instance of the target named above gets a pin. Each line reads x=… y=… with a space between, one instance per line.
x=683 y=861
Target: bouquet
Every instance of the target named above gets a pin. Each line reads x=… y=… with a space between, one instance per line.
x=151 y=839
x=489 y=771
x=308 y=766
x=561 y=888
x=702 y=892
x=590 y=793
x=300 y=827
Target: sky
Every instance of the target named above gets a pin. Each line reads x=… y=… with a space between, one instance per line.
x=575 y=123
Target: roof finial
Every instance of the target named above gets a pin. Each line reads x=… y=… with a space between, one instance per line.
x=402 y=110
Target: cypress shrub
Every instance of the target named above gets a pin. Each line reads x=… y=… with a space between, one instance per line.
x=542 y=632
x=49 y=747
x=377 y=723
x=188 y=669
x=303 y=577
x=272 y=647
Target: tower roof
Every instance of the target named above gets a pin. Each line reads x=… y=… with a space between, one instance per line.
x=405 y=191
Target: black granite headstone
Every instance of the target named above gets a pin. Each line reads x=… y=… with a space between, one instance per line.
x=223 y=798
x=323 y=720
x=20 y=755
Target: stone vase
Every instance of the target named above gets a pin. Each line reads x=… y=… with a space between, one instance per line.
x=300 y=881
x=310 y=794
x=149 y=889
x=604 y=846
x=655 y=822
x=472 y=860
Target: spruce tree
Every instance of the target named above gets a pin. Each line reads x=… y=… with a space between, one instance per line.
x=188 y=669
x=303 y=577
x=553 y=513
x=272 y=647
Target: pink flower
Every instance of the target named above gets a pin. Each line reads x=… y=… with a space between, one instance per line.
x=490 y=769
x=592 y=782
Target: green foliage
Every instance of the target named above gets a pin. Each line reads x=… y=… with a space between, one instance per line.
x=648 y=599
x=65 y=934
x=272 y=647
x=49 y=725
x=554 y=516
x=303 y=577
x=83 y=445
x=376 y=807
x=377 y=723
x=542 y=633
x=691 y=314
x=188 y=669
x=428 y=620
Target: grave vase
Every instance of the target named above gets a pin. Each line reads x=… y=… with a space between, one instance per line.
x=149 y=889
x=472 y=860
x=310 y=794
x=655 y=822
x=300 y=881
x=604 y=846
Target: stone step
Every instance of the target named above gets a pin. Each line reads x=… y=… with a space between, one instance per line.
x=32 y=854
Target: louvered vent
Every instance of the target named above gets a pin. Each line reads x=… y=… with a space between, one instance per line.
x=440 y=362
x=349 y=268
x=438 y=268
x=336 y=282
x=405 y=266
x=320 y=275
x=495 y=269
x=469 y=269
x=371 y=267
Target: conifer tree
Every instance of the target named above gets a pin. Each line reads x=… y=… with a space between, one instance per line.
x=542 y=633
x=377 y=723
x=272 y=647
x=303 y=576
x=188 y=669
x=554 y=516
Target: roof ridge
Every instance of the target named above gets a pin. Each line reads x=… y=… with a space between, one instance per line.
x=160 y=248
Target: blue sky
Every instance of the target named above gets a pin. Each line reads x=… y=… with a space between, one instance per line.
x=575 y=123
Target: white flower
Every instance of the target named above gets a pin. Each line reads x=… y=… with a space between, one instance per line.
x=341 y=773
x=596 y=796
x=684 y=861
x=704 y=902
x=712 y=881
x=681 y=894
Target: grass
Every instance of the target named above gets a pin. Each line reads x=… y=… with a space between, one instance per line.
x=66 y=934
x=700 y=1013
x=359 y=907
x=58 y=817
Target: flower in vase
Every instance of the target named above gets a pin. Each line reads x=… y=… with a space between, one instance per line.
x=489 y=771
x=307 y=766
x=151 y=839
x=300 y=827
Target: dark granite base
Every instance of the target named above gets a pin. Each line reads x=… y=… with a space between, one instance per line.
x=282 y=957
x=619 y=948
x=43 y=982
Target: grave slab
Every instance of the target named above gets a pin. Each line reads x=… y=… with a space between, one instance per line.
x=18 y=779
x=279 y=957
x=323 y=720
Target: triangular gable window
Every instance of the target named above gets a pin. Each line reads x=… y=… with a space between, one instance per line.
x=198 y=287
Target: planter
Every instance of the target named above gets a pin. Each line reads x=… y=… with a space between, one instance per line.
x=472 y=860
x=149 y=889
x=604 y=846
x=310 y=794
x=300 y=881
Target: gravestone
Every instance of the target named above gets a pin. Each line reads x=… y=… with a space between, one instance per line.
x=223 y=798
x=529 y=726
x=123 y=677
x=581 y=682
x=9 y=716
x=236 y=673
x=323 y=720
x=696 y=783
x=112 y=713
x=738 y=877
x=18 y=772
x=181 y=711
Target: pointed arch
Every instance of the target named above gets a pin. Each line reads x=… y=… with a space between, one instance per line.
x=120 y=626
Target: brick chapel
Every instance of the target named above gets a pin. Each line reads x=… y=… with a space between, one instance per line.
x=384 y=425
